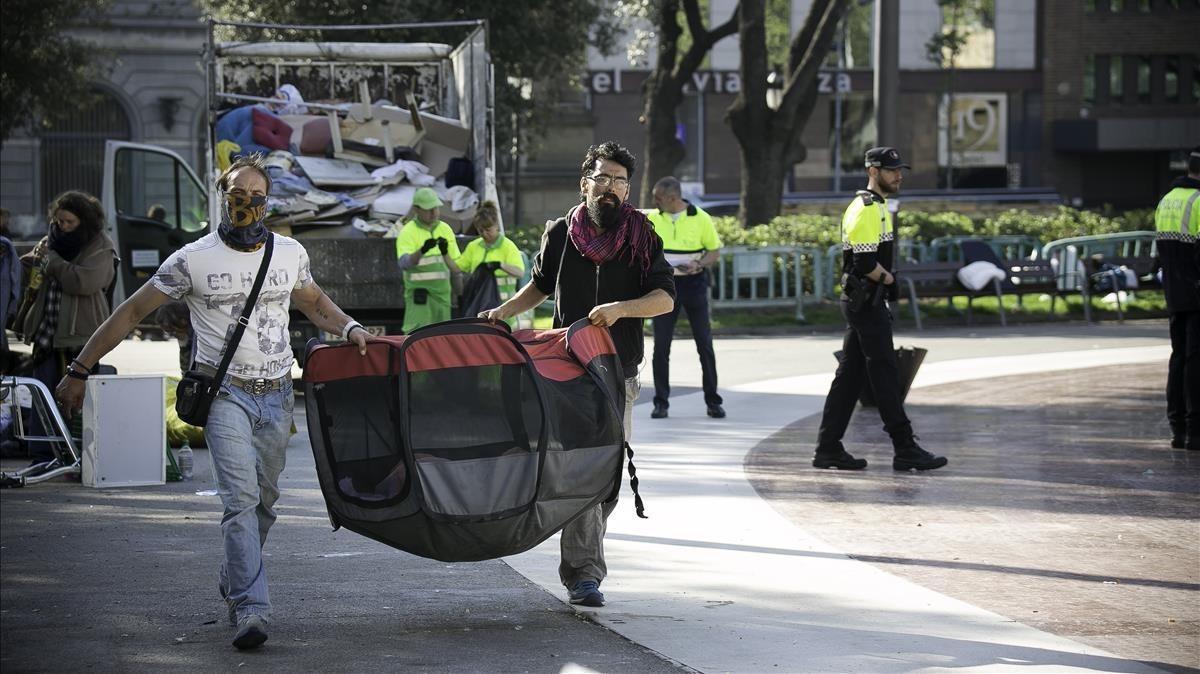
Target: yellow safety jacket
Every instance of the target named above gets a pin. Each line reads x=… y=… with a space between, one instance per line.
x=1177 y=222
x=687 y=237
x=426 y=284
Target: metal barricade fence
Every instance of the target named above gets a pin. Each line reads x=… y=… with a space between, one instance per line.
x=909 y=251
x=1006 y=247
x=1068 y=255
x=772 y=276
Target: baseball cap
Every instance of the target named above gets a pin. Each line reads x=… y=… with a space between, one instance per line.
x=885 y=157
x=426 y=198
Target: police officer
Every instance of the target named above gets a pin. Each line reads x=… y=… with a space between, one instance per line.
x=1177 y=221
x=691 y=246
x=426 y=251
x=867 y=351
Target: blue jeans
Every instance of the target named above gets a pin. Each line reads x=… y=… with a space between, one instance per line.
x=247 y=438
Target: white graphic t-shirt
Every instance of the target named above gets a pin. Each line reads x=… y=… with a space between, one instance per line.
x=215 y=280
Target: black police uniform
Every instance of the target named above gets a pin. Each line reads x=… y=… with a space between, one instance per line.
x=868 y=353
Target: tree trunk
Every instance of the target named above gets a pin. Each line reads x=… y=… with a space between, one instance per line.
x=769 y=139
x=763 y=171
x=663 y=149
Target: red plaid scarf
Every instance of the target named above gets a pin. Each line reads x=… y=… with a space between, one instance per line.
x=634 y=235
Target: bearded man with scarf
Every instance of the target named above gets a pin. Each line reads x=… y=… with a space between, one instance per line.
x=69 y=271
x=604 y=262
x=249 y=421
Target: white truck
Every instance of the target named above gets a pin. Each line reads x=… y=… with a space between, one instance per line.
x=446 y=86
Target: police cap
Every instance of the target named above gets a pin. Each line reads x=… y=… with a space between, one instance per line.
x=885 y=157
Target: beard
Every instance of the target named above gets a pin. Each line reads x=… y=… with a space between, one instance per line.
x=605 y=211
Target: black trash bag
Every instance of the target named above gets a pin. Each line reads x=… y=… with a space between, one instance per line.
x=480 y=293
x=908 y=361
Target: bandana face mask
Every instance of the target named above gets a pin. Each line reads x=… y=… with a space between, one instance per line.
x=242 y=225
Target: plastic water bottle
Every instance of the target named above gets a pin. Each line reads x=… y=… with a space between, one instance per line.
x=185 y=460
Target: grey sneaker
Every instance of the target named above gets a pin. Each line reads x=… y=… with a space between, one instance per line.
x=587 y=593
x=252 y=632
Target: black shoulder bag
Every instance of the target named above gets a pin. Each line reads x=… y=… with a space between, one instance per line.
x=197 y=390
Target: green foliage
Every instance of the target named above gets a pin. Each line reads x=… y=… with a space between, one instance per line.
x=44 y=74
x=543 y=42
x=823 y=230
x=527 y=237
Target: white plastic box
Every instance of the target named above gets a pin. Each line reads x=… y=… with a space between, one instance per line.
x=124 y=431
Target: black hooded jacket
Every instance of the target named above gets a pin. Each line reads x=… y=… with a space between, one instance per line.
x=583 y=285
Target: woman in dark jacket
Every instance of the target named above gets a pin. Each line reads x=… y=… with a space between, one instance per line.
x=69 y=271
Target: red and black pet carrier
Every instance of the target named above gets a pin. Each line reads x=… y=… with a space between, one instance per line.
x=463 y=441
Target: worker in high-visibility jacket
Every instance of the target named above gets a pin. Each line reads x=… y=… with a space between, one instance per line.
x=498 y=253
x=426 y=251
x=691 y=246
x=1177 y=221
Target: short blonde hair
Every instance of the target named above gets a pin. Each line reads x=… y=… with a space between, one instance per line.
x=487 y=215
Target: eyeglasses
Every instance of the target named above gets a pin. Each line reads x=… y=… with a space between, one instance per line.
x=604 y=180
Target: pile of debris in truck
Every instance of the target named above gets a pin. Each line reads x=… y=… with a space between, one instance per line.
x=356 y=165
x=344 y=159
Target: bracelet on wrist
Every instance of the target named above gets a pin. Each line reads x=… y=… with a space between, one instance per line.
x=75 y=374
x=85 y=368
x=349 y=327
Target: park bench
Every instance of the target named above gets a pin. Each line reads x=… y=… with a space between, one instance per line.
x=940 y=279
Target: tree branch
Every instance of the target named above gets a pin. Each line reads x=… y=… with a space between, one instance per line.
x=702 y=39
x=668 y=39
x=823 y=28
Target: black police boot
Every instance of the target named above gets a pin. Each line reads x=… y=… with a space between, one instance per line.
x=716 y=411
x=660 y=411
x=837 y=457
x=912 y=456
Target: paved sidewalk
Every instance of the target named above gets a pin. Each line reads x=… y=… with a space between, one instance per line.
x=125 y=580
x=1063 y=508
x=750 y=562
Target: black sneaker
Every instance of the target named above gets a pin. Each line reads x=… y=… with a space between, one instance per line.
x=587 y=593
x=716 y=411
x=913 y=457
x=842 y=461
x=660 y=411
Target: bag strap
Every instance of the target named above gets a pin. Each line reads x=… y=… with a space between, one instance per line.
x=244 y=319
x=633 y=485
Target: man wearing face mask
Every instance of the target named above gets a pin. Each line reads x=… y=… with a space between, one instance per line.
x=426 y=251
x=603 y=262
x=248 y=423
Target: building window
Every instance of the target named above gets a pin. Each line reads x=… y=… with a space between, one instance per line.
x=1116 y=78
x=1171 y=77
x=857 y=132
x=72 y=151
x=1089 y=79
x=855 y=36
x=1195 y=80
x=1143 y=79
x=968 y=36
